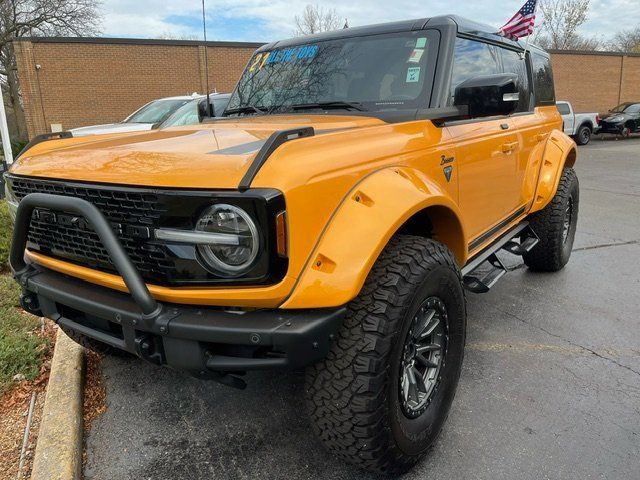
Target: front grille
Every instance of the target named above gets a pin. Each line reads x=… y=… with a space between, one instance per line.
x=81 y=245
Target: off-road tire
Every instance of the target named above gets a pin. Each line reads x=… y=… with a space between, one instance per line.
x=94 y=345
x=552 y=252
x=353 y=395
x=583 y=135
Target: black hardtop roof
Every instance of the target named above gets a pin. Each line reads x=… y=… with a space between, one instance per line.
x=463 y=25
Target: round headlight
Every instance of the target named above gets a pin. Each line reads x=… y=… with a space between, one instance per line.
x=225 y=259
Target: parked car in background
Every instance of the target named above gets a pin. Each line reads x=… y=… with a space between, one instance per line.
x=194 y=111
x=580 y=126
x=623 y=119
x=153 y=113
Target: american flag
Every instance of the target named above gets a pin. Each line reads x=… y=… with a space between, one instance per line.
x=521 y=24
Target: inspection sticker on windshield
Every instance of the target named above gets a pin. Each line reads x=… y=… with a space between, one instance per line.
x=415 y=56
x=413 y=74
x=421 y=42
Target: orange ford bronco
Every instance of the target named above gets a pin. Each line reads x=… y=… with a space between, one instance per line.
x=359 y=182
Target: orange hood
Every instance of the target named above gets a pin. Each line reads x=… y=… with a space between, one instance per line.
x=211 y=155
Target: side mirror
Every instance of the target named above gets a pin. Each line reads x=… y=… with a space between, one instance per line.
x=488 y=95
x=203 y=111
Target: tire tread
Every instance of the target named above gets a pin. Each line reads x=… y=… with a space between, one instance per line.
x=547 y=223
x=347 y=414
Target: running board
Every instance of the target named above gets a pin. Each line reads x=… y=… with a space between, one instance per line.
x=516 y=241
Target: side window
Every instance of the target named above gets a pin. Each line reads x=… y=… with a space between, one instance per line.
x=543 y=79
x=512 y=62
x=563 y=108
x=471 y=59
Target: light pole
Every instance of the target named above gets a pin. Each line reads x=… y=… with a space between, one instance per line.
x=4 y=133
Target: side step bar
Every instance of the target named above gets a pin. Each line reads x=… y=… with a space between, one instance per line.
x=517 y=241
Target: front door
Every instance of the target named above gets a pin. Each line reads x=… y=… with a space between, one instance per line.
x=487 y=159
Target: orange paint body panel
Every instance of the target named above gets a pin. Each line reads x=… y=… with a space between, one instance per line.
x=395 y=169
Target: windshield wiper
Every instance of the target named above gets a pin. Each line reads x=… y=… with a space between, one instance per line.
x=244 y=109
x=336 y=104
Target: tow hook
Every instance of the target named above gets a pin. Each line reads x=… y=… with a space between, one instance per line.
x=150 y=349
x=29 y=302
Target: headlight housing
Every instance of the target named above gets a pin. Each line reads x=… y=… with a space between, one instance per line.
x=238 y=241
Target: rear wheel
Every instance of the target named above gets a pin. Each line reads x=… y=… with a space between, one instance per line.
x=381 y=396
x=583 y=136
x=555 y=225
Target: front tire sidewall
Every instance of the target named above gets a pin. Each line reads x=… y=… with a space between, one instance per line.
x=415 y=436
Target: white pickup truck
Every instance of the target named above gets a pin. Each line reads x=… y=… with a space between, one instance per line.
x=580 y=126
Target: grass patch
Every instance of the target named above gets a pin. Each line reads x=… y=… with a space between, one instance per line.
x=22 y=349
x=6 y=228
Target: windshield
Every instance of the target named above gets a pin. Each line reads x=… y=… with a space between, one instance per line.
x=627 y=108
x=377 y=72
x=155 y=111
x=633 y=108
x=188 y=113
x=220 y=104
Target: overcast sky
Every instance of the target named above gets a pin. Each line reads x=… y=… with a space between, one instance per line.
x=266 y=20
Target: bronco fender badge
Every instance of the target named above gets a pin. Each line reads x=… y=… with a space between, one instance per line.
x=444 y=160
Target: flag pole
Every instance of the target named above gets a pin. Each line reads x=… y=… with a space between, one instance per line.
x=526 y=46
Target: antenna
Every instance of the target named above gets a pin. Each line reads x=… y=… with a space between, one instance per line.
x=206 y=62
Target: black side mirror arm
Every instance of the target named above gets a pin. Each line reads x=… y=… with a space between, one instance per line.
x=441 y=115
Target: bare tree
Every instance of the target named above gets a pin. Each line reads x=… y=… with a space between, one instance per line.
x=559 y=28
x=626 y=41
x=23 y=18
x=316 y=19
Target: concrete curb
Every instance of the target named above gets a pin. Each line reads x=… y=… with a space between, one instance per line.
x=58 y=453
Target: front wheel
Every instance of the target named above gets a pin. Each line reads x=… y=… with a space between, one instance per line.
x=381 y=396
x=555 y=225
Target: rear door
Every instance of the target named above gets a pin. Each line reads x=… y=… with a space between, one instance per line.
x=531 y=127
x=486 y=149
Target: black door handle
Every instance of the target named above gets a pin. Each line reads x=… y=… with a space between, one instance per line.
x=504 y=126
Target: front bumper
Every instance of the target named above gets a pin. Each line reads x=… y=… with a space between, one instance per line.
x=616 y=128
x=206 y=342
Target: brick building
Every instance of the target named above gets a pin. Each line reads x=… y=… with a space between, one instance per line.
x=83 y=81
x=596 y=81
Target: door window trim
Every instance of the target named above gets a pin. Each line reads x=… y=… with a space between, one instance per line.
x=529 y=66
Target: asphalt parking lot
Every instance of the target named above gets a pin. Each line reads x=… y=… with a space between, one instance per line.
x=550 y=386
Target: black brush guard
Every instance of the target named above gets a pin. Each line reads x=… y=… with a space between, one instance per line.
x=206 y=342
